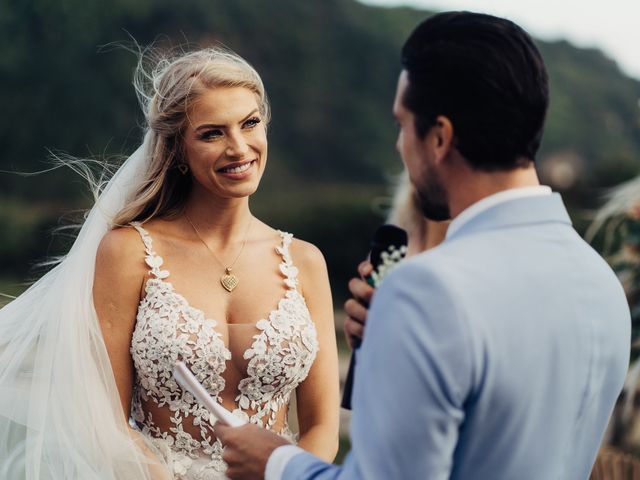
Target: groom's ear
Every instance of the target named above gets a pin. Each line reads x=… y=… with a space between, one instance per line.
x=443 y=138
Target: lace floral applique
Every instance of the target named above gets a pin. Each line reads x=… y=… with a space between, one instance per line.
x=168 y=329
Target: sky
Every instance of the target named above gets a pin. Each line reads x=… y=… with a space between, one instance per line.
x=612 y=26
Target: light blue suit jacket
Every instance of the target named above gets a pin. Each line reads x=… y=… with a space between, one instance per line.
x=498 y=355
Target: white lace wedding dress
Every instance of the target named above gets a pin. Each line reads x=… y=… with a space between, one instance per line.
x=168 y=329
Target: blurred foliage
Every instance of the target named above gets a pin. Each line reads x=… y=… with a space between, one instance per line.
x=338 y=219
x=618 y=240
x=594 y=110
x=22 y=229
x=330 y=68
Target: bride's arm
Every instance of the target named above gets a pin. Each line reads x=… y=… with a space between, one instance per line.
x=118 y=280
x=318 y=395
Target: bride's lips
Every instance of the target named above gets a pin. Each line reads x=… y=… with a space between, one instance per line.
x=237 y=170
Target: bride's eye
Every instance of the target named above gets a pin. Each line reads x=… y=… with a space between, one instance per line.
x=252 y=122
x=210 y=134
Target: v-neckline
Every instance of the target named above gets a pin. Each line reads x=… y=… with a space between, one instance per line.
x=155 y=262
x=214 y=323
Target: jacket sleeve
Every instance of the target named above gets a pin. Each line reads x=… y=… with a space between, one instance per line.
x=412 y=377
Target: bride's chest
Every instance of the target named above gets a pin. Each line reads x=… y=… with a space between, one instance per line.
x=281 y=347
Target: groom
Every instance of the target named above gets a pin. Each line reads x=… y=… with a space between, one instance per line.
x=499 y=354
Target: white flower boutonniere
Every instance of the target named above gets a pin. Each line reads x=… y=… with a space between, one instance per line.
x=390 y=259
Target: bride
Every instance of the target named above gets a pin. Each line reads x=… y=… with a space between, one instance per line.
x=171 y=265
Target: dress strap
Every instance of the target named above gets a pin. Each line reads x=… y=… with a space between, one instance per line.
x=152 y=260
x=288 y=269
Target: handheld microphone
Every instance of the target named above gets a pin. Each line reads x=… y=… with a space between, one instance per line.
x=388 y=247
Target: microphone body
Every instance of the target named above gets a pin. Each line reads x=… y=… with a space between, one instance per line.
x=388 y=247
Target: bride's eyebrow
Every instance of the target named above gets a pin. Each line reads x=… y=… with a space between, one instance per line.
x=210 y=125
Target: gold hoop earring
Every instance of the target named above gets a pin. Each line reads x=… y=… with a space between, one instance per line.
x=183 y=167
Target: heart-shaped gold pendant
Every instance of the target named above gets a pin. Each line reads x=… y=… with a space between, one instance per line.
x=229 y=282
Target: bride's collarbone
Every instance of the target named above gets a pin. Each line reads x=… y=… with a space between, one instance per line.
x=196 y=276
x=258 y=293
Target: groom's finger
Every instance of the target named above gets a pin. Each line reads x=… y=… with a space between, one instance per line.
x=356 y=311
x=221 y=431
x=361 y=291
x=353 y=332
x=365 y=268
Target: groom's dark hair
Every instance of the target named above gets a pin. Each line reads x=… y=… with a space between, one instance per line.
x=487 y=77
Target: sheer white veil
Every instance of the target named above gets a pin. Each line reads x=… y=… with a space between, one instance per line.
x=60 y=414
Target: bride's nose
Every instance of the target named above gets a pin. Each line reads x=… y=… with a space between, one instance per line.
x=236 y=145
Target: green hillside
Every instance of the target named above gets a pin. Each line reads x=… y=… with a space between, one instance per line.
x=330 y=69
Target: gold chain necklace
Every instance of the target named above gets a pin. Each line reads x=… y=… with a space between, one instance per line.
x=229 y=281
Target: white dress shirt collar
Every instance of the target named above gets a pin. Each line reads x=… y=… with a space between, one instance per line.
x=492 y=200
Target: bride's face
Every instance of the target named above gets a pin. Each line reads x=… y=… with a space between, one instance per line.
x=225 y=142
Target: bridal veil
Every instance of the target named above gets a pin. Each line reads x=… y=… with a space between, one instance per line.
x=60 y=414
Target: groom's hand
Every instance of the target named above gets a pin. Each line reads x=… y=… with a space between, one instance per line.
x=247 y=449
x=357 y=307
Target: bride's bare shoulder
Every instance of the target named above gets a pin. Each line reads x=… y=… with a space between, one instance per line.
x=306 y=255
x=121 y=247
x=311 y=265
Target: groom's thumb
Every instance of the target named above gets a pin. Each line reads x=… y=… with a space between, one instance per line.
x=221 y=430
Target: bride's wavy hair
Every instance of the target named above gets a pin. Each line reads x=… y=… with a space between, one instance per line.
x=166 y=86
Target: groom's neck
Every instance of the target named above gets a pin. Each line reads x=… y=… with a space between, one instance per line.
x=466 y=186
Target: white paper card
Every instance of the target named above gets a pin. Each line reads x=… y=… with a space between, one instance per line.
x=189 y=382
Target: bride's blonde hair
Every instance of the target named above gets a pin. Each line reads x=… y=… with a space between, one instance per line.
x=167 y=85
